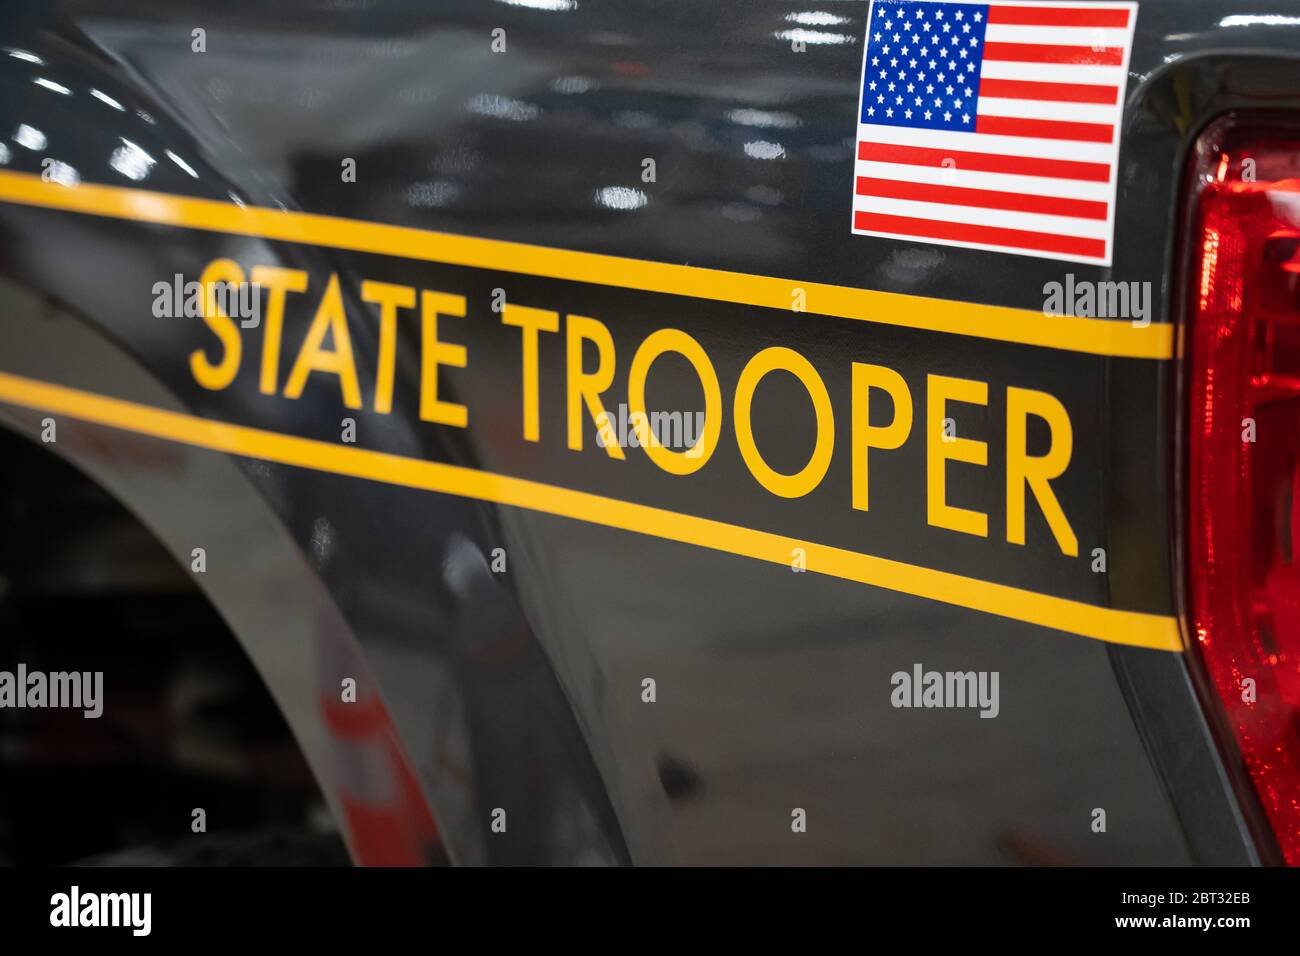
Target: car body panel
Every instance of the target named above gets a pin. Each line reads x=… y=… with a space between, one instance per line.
x=523 y=690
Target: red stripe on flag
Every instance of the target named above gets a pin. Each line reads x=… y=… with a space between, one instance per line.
x=985 y=162
x=1058 y=16
x=1053 y=53
x=982 y=198
x=1056 y=92
x=1045 y=129
x=985 y=235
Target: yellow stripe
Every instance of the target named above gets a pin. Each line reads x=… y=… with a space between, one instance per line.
x=1107 y=624
x=1098 y=336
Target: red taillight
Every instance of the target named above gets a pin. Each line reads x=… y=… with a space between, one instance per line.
x=1244 y=449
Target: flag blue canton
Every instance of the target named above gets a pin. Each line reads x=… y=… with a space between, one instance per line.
x=922 y=67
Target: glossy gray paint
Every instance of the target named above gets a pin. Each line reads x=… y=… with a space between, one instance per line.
x=773 y=687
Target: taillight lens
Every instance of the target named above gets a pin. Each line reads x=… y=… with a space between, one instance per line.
x=1244 y=448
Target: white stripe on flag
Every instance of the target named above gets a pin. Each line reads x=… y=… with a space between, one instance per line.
x=987 y=143
x=988 y=247
x=975 y=216
x=1086 y=37
x=1042 y=109
x=970 y=179
x=1054 y=73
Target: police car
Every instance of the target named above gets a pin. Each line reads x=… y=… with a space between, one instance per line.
x=649 y=432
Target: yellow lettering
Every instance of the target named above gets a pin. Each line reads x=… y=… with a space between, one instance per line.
x=312 y=357
x=1038 y=471
x=940 y=390
x=277 y=283
x=436 y=353
x=587 y=387
x=692 y=459
x=219 y=375
x=530 y=322
x=866 y=435
x=807 y=478
x=389 y=298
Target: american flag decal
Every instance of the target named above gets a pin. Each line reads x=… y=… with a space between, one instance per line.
x=993 y=125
